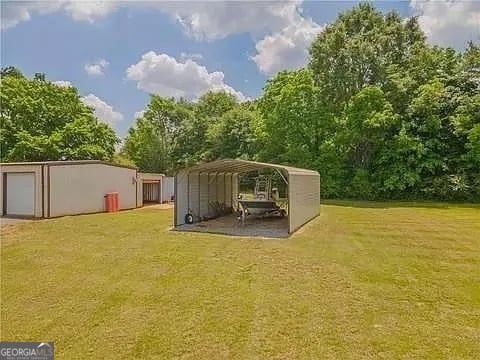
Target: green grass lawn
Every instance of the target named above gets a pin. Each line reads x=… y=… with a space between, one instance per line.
x=363 y=280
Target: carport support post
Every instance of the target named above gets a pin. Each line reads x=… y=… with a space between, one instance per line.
x=224 y=190
x=4 y=196
x=160 y=190
x=216 y=187
x=188 y=192
x=231 y=191
x=288 y=203
x=175 y=199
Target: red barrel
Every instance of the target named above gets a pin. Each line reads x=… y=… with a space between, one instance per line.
x=116 y=205
x=111 y=202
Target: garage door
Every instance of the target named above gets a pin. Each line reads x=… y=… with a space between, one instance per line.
x=20 y=194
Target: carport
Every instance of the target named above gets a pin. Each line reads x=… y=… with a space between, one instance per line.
x=203 y=186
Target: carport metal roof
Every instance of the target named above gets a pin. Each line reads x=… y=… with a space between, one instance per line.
x=237 y=166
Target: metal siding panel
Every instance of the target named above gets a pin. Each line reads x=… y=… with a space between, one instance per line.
x=139 y=192
x=235 y=191
x=181 y=208
x=212 y=187
x=304 y=199
x=220 y=188
x=151 y=192
x=228 y=190
x=80 y=189
x=203 y=194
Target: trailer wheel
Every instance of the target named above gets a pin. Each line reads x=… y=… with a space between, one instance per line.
x=189 y=219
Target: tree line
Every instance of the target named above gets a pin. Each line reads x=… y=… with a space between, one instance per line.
x=377 y=111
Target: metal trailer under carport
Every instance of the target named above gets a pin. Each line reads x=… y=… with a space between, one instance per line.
x=197 y=186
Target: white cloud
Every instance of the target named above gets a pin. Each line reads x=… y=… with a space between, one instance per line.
x=449 y=23
x=90 y=10
x=139 y=114
x=202 y=20
x=14 y=12
x=62 y=83
x=213 y=20
x=103 y=111
x=96 y=68
x=287 y=49
x=164 y=75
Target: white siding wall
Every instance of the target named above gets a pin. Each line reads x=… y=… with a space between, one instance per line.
x=80 y=189
x=304 y=199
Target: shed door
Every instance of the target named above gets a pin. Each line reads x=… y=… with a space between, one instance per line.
x=20 y=194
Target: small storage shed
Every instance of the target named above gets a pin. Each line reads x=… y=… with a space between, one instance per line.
x=198 y=186
x=57 y=188
x=151 y=185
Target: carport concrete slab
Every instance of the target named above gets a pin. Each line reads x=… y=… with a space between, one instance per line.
x=273 y=227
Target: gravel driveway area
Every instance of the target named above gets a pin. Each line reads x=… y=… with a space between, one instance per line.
x=5 y=221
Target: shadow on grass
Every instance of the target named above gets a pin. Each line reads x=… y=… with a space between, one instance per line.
x=400 y=204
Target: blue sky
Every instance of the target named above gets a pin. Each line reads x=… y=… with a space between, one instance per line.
x=116 y=53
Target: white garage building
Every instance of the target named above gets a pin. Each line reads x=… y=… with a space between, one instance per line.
x=57 y=188
x=197 y=187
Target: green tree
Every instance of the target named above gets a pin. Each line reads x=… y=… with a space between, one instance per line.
x=214 y=104
x=208 y=111
x=296 y=120
x=144 y=147
x=42 y=121
x=369 y=123
x=358 y=49
x=152 y=142
x=232 y=136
